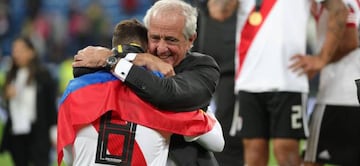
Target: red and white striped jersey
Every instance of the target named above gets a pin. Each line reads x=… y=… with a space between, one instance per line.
x=337 y=86
x=263 y=51
x=113 y=143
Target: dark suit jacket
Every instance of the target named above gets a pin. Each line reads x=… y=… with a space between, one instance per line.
x=192 y=88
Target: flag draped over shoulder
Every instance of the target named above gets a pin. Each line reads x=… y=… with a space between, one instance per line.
x=90 y=96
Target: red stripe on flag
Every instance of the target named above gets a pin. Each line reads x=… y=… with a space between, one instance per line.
x=249 y=32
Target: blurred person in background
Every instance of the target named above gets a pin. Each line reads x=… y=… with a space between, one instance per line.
x=334 y=125
x=4 y=20
x=272 y=93
x=216 y=37
x=30 y=96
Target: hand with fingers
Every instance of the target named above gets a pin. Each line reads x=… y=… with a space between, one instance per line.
x=154 y=63
x=309 y=65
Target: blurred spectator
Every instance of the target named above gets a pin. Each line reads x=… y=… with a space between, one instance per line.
x=89 y=27
x=29 y=93
x=216 y=37
x=4 y=61
x=129 y=5
x=33 y=7
x=51 y=19
x=65 y=74
x=4 y=20
x=4 y=25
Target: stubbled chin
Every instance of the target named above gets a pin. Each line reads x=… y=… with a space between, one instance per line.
x=169 y=61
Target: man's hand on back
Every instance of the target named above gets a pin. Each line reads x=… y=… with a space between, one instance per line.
x=95 y=57
x=92 y=57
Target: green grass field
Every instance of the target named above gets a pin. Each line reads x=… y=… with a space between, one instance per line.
x=5 y=158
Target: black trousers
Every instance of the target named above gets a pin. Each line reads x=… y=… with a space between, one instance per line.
x=26 y=151
x=232 y=155
x=189 y=153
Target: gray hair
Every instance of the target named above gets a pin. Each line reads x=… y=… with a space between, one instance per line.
x=190 y=13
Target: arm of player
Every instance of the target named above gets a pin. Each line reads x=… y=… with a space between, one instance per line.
x=335 y=29
x=350 y=38
x=311 y=65
x=212 y=140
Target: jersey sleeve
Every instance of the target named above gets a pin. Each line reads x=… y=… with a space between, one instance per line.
x=212 y=140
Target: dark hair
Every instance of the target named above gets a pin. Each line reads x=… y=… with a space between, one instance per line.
x=125 y=32
x=34 y=65
x=129 y=31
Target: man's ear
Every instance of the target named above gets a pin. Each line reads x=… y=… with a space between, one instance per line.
x=191 y=39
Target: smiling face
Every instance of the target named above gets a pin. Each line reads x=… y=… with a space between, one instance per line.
x=166 y=37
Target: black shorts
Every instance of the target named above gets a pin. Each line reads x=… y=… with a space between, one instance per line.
x=334 y=135
x=273 y=115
